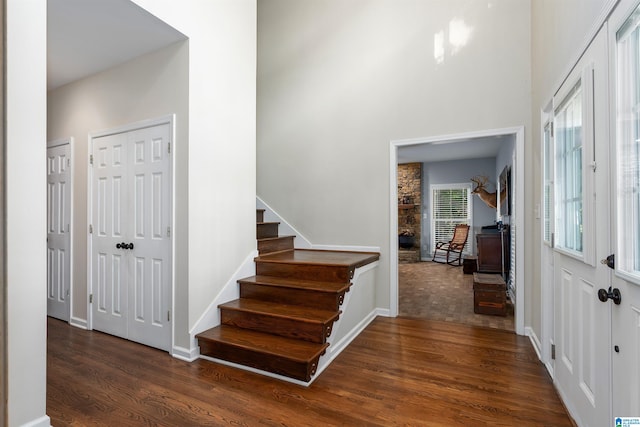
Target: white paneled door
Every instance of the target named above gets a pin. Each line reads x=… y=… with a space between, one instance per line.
x=624 y=293
x=131 y=235
x=582 y=324
x=58 y=229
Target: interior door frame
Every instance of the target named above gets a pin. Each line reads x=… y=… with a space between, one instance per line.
x=170 y=120
x=518 y=174
x=55 y=143
x=3 y=245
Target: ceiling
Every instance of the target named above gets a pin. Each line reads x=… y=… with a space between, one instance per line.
x=441 y=151
x=85 y=37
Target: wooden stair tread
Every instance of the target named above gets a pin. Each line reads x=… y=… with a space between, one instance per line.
x=292 y=349
x=268 y=223
x=298 y=313
x=284 y=282
x=320 y=257
x=266 y=239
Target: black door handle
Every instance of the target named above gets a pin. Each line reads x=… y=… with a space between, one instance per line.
x=613 y=294
x=130 y=246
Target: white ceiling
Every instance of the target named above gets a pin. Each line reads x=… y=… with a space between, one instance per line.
x=85 y=37
x=474 y=148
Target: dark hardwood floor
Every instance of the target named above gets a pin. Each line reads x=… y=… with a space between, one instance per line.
x=397 y=372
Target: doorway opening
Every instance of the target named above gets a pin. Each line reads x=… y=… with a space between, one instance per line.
x=441 y=158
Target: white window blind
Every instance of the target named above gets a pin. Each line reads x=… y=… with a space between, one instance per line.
x=450 y=206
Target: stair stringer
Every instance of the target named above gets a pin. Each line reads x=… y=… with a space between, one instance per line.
x=285 y=229
x=211 y=316
x=358 y=310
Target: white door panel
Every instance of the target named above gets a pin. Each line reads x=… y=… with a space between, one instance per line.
x=58 y=231
x=582 y=322
x=110 y=272
x=132 y=210
x=624 y=39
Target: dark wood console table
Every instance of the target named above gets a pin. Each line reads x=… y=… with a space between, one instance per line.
x=493 y=248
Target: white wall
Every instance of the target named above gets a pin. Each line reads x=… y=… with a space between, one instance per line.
x=26 y=208
x=147 y=87
x=337 y=81
x=222 y=127
x=559 y=32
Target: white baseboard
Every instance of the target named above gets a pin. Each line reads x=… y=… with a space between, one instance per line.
x=43 y=421
x=78 y=323
x=535 y=342
x=346 y=248
x=336 y=348
x=186 y=354
x=383 y=312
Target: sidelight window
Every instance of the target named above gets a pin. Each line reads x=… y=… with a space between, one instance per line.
x=568 y=162
x=628 y=145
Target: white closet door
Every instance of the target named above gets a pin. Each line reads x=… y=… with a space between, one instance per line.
x=131 y=205
x=58 y=231
x=110 y=223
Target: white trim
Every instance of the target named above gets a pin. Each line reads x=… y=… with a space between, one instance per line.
x=535 y=342
x=285 y=229
x=518 y=132
x=78 y=323
x=345 y=248
x=57 y=143
x=168 y=119
x=43 y=421
x=230 y=291
x=186 y=354
x=547 y=308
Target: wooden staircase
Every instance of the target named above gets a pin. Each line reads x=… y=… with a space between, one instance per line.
x=285 y=312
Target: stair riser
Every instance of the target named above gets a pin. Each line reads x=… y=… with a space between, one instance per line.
x=289 y=328
x=307 y=298
x=256 y=359
x=259 y=215
x=325 y=273
x=268 y=246
x=267 y=230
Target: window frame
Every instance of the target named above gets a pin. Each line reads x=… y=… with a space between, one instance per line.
x=585 y=81
x=627 y=248
x=432 y=221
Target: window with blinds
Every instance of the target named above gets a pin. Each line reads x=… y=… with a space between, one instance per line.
x=450 y=206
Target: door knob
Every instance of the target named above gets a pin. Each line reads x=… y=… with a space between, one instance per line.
x=614 y=294
x=130 y=246
x=122 y=245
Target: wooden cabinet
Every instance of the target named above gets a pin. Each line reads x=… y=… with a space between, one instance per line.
x=493 y=248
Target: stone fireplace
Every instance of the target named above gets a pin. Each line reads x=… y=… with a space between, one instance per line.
x=409 y=209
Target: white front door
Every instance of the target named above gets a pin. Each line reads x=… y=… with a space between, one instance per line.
x=58 y=229
x=131 y=238
x=624 y=39
x=582 y=238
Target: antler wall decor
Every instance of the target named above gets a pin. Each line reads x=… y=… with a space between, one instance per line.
x=489 y=198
